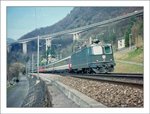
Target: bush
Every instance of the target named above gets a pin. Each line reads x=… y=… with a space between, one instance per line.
x=14 y=70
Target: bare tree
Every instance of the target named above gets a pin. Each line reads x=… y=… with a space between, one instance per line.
x=14 y=70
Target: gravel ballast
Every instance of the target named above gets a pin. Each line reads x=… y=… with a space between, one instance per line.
x=109 y=94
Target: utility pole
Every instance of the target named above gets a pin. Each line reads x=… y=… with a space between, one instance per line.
x=130 y=35
x=32 y=62
x=29 y=66
x=26 y=70
x=38 y=57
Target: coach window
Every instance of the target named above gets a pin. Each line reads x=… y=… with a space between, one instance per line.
x=97 y=50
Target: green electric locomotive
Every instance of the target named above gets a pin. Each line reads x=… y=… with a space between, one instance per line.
x=96 y=58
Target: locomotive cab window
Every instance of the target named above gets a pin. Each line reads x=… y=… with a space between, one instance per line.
x=97 y=50
x=107 y=50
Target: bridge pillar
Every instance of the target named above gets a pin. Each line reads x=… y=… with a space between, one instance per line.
x=9 y=48
x=90 y=40
x=48 y=43
x=76 y=36
x=24 y=47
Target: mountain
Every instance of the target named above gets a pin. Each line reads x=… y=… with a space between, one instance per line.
x=10 y=40
x=81 y=16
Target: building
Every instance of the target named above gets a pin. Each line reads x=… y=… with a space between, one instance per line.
x=121 y=43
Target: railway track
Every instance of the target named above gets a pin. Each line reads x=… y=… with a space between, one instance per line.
x=122 y=78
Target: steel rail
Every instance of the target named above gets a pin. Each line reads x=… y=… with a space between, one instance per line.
x=121 y=78
x=126 y=75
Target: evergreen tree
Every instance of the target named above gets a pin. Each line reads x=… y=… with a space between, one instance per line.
x=128 y=32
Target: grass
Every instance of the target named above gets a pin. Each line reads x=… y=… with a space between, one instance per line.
x=133 y=56
x=128 y=68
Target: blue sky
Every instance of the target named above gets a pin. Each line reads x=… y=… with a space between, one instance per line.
x=21 y=20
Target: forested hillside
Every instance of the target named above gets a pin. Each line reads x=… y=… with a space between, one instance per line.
x=81 y=16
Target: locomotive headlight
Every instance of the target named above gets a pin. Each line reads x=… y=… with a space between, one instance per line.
x=97 y=61
x=104 y=57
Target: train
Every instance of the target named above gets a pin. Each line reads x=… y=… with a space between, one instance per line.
x=95 y=58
